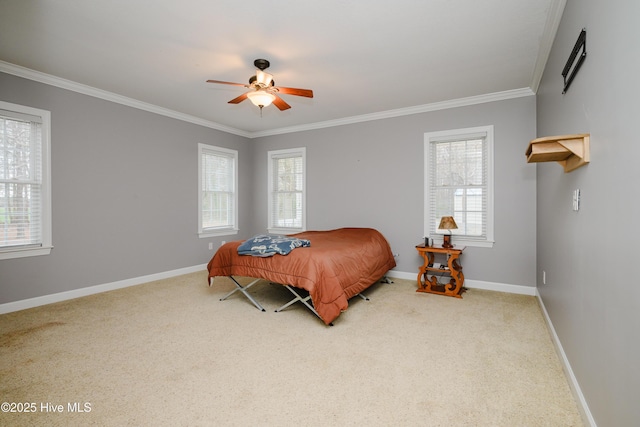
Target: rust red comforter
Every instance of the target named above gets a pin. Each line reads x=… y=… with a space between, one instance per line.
x=338 y=265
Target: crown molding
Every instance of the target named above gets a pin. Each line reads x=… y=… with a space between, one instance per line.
x=556 y=9
x=444 y=105
x=37 y=76
x=119 y=99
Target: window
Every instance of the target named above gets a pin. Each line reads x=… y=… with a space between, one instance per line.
x=217 y=191
x=25 y=181
x=287 y=176
x=459 y=183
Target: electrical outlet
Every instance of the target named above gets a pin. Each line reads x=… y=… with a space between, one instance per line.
x=210 y=245
x=544 y=277
x=223 y=242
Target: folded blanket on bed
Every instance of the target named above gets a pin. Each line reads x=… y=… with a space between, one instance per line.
x=266 y=245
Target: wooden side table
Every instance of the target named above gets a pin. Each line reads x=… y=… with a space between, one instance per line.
x=428 y=275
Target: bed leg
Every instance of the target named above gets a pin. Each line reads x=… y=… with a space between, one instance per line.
x=243 y=289
x=303 y=300
x=384 y=279
x=364 y=297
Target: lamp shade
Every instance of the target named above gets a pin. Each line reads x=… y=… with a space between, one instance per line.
x=447 y=223
x=260 y=98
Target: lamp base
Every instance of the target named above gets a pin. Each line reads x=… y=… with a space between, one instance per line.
x=446 y=241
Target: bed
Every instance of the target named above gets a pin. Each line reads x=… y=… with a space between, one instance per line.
x=337 y=265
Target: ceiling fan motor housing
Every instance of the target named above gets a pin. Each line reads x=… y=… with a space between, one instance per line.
x=254 y=78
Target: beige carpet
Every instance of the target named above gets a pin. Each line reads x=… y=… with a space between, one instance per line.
x=169 y=353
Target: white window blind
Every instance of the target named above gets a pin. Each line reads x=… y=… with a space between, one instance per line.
x=218 y=194
x=287 y=190
x=25 y=227
x=459 y=183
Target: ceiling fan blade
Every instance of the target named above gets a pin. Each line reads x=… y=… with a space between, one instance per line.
x=225 y=83
x=279 y=102
x=293 y=91
x=239 y=99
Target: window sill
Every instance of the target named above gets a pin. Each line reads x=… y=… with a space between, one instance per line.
x=215 y=233
x=459 y=241
x=24 y=252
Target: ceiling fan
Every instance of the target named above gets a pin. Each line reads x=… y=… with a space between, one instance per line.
x=263 y=91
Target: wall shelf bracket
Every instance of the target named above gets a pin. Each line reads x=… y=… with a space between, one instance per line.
x=571 y=151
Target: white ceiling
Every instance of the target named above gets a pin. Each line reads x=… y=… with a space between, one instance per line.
x=361 y=58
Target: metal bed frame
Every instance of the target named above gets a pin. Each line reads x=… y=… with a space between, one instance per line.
x=304 y=299
x=243 y=290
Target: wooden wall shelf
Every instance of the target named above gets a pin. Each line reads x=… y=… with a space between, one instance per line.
x=571 y=151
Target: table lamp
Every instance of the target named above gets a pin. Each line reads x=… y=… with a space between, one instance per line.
x=447 y=223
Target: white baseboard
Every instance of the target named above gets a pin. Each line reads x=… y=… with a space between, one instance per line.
x=587 y=418
x=500 y=287
x=76 y=293
x=475 y=284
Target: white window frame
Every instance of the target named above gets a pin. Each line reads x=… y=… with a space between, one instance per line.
x=45 y=245
x=458 y=135
x=272 y=157
x=231 y=228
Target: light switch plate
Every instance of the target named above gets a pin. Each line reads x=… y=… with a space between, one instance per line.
x=576 y=199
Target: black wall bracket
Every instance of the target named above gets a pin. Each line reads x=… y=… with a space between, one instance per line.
x=572 y=66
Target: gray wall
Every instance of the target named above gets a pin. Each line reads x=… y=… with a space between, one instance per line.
x=124 y=193
x=125 y=189
x=371 y=174
x=591 y=295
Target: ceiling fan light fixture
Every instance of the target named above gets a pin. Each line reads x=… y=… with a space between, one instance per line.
x=260 y=98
